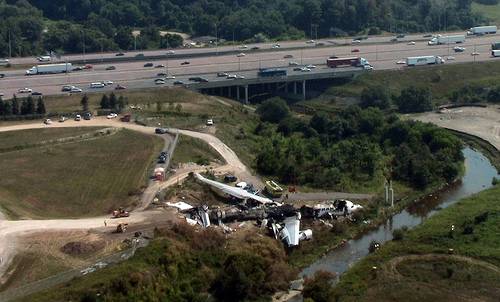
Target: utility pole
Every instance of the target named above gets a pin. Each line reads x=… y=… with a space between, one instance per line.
x=10 y=46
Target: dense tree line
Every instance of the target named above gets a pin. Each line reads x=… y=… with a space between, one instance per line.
x=27 y=106
x=108 y=24
x=355 y=146
x=112 y=102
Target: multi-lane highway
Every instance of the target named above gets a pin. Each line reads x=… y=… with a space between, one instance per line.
x=133 y=74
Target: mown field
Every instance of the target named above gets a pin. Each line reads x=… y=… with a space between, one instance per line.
x=191 y=150
x=419 y=267
x=76 y=179
x=491 y=12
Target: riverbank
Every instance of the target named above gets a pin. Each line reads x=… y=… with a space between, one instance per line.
x=420 y=263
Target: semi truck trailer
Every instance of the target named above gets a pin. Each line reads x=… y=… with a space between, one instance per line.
x=447 y=40
x=424 y=60
x=482 y=30
x=495 y=53
x=348 y=62
x=50 y=68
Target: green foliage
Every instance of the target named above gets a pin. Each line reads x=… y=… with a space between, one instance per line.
x=273 y=110
x=413 y=99
x=354 y=147
x=319 y=288
x=376 y=96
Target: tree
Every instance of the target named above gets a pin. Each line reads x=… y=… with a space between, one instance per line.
x=28 y=106
x=413 y=100
x=120 y=104
x=104 y=102
x=15 y=105
x=40 y=107
x=178 y=107
x=376 y=96
x=273 y=110
x=319 y=288
x=112 y=101
x=85 y=103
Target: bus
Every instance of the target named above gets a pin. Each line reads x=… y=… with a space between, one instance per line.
x=273 y=189
x=272 y=72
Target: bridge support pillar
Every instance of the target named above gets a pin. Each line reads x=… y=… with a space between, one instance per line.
x=229 y=88
x=294 y=87
x=238 y=93
x=286 y=87
x=303 y=90
x=246 y=94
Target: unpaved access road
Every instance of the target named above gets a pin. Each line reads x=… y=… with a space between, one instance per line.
x=477 y=121
x=11 y=230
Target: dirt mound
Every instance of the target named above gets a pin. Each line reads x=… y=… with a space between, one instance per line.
x=77 y=248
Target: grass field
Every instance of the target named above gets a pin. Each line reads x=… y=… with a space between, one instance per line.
x=442 y=80
x=196 y=151
x=491 y=12
x=76 y=179
x=419 y=267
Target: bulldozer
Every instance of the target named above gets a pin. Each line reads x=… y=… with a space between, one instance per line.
x=121 y=228
x=120 y=213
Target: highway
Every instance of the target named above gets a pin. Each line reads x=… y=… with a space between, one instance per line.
x=382 y=56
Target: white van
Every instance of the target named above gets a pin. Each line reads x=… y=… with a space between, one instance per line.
x=97 y=85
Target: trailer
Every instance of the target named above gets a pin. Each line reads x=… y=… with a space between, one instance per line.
x=272 y=72
x=50 y=68
x=347 y=62
x=482 y=30
x=424 y=60
x=495 y=53
x=447 y=40
x=495 y=45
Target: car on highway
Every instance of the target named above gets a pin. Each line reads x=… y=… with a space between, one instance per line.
x=305 y=69
x=139 y=55
x=400 y=36
x=239 y=76
x=310 y=42
x=450 y=58
x=367 y=67
x=25 y=90
x=310 y=66
x=240 y=55
x=287 y=56
x=222 y=74
x=88 y=66
x=356 y=41
x=2 y=75
x=161 y=74
x=1 y=94
x=36 y=93
x=255 y=48
x=355 y=50
x=170 y=52
x=178 y=82
x=333 y=57
x=243 y=47
x=458 y=49
x=231 y=76
x=149 y=64
x=75 y=90
x=78 y=117
x=120 y=87
x=111 y=68
x=411 y=43
x=66 y=88
x=120 y=54
x=320 y=44
x=400 y=62
x=394 y=40
x=47 y=121
x=77 y=68
x=97 y=85
x=427 y=36
x=111 y=116
x=169 y=77
x=276 y=45
x=475 y=53
x=159 y=81
x=160 y=66
x=297 y=69
x=185 y=63
x=292 y=63
x=107 y=83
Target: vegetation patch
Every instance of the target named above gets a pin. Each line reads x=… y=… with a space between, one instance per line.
x=195 y=151
x=82 y=178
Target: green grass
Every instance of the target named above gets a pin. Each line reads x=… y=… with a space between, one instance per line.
x=491 y=12
x=26 y=138
x=424 y=280
x=196 y=151
x=83 y=178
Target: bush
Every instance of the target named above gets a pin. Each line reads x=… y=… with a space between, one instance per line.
x=319 y=288
x=414 y=100
x=398 y=234
x=273 y=110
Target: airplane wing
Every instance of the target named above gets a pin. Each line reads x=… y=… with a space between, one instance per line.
x=233 y=191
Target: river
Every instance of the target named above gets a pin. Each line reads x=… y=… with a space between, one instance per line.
x=479 y=173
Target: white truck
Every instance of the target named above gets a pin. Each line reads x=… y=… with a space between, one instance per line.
x=495 y=53
x=482 y=30
x=447 y=40
x=50 y=68
x=424 y=60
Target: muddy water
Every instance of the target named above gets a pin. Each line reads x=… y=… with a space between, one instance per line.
x=479 y=173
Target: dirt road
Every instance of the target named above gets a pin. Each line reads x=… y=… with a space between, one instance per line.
x=10 y=230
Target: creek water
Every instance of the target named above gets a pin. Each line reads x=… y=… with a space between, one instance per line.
x=479 y=173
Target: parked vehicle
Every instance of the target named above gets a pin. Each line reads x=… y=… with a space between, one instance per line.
x=111 y=116
x=492 y=29
x=447 y=40
x=347 y=62
x=125 y=118
x=210 y=122
x=62 y=119
x=424 y=60
x=50 y=68
x=47 y=122
x=78 y=118
x=160 y=130
x=87 y=116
